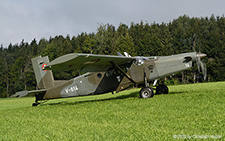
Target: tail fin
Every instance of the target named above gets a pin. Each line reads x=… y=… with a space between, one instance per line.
x=44 y=78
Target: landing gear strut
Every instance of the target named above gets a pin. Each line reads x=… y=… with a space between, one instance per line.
x=146 y=91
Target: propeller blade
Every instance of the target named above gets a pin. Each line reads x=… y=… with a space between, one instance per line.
x=204 y=71
x=200 y=65
x=198 y=62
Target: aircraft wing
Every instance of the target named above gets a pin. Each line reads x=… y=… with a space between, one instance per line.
x=76 y=61
x=25 y=93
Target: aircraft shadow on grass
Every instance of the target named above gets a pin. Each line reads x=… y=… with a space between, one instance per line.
x=133 y=94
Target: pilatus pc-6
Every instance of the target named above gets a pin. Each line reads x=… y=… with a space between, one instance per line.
x=107 y=73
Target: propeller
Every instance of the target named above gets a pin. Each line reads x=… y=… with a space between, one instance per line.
x=200 y=65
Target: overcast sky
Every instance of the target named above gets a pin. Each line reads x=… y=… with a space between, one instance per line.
x=29 y=19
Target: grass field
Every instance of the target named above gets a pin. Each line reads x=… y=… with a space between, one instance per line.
x=189 y=111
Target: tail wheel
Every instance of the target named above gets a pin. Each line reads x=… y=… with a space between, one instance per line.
x=162 y=89
x=35 y=104
x=146 y=92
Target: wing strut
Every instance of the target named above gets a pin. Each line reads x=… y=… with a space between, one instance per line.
x=124 y=73
x=145 y=79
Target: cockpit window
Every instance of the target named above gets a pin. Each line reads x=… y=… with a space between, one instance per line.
x=113 y=72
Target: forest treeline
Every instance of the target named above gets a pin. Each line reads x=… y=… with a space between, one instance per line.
x=138 y=39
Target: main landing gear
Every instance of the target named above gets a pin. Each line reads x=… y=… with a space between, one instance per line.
x=147 y=92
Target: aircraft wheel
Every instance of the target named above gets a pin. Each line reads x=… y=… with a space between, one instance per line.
x=35 y=104
x=146 y=92
x=162 y=89
x=166 y=89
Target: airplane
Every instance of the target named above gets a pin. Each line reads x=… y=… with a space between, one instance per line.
x=107 y=73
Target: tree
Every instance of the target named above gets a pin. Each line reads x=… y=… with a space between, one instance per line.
x=50 y=51
x=105 y=39
x=125 y=44
x=89 y=45
x=2 y=77
x=17 y=75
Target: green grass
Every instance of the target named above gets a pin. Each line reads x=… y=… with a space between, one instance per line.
x=194 y=110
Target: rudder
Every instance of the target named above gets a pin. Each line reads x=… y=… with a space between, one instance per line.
x=44 y=78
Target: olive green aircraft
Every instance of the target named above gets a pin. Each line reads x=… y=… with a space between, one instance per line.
x=107 y=73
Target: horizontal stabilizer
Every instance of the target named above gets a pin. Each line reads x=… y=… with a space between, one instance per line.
x=25 y=93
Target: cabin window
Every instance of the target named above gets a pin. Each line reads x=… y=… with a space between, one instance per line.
x=99 y=75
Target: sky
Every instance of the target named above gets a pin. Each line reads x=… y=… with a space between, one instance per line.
x=29 y=19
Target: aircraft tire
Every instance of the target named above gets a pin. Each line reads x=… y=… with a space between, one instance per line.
x=166 y=89
x=35 y=104
x=146 y=92
x=162 y=89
